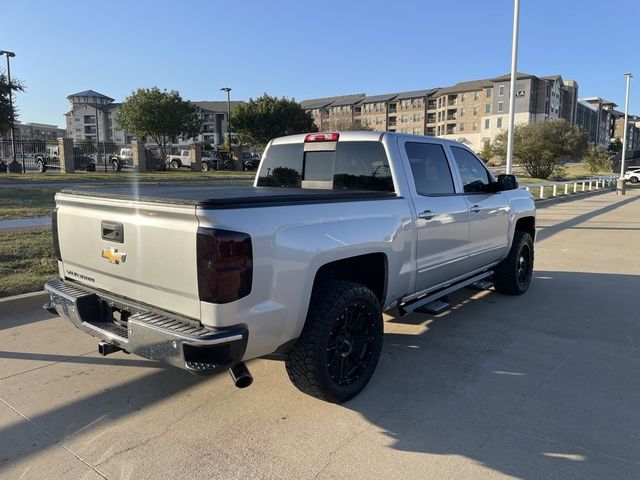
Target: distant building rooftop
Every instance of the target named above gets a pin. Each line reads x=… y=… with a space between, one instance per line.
x=89 y=93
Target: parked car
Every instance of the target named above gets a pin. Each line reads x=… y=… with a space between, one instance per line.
x=124 y=158
x=49 y=158
x=336 y=229
x=213 y=160
x=182 y=159
x=632 y=175
x=250 y=161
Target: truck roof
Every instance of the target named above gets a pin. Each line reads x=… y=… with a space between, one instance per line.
x=359 y=136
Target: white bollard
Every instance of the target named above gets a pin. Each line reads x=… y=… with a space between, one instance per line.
x=575 y=187
x=566 y=189
x=555 y=189
x=589 y=185
x=583 y=183
x=541 y=191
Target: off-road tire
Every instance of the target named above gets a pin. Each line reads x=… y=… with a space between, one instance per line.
x=175 y=164
x=634 y=180
x=204 y=166
x=511 y=276
x=307 y=361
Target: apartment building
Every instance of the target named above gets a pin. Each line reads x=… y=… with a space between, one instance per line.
x=594 y=115
x=214 y=120
x=92 y=117
x=633 y=129
x=472 y=112
x=31 y=131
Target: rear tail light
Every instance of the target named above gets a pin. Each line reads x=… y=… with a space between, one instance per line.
x=322 y=137
x=54 y=231
x=225 y=265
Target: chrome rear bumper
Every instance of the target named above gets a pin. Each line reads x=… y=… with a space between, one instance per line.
x=152 y=334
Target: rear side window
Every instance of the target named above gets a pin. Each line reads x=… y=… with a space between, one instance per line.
x=351 y=166
x=430 y=169
x=282 y=166
x=475 y=177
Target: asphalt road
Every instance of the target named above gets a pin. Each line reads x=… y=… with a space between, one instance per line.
x=543 y=386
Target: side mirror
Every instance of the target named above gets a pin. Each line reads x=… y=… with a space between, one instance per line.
x=506 y=182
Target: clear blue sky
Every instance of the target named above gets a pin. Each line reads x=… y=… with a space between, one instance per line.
x=308 y=49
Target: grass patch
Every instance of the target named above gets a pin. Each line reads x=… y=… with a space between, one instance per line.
x=26 y=202
x=102 y=177
x=27 y=261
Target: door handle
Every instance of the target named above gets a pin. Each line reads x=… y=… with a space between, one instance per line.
x=427 y=215
x=475 y=209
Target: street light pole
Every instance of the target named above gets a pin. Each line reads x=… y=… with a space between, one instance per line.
x=620 y=190
x=512 y=87
x=228 y=90
x=13 y=141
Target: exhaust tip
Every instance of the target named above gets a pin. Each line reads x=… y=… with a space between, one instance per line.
x=240 y=375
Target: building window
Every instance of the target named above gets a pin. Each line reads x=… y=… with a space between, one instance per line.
x=487 y=123
x=461 y=127
x=462 y=97
x=499 y=122
x=501 y=90
x=462 y=112
x=416 y=117
x=487 y=92
x=416 y=131
x=500 y=107
x=476 y=95
x=475 y=111
x=474 y=127
x=89 y=119
x=487 y=108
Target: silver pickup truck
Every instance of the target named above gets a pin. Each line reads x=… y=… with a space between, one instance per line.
x=336 y=229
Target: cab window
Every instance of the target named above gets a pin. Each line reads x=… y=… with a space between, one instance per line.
x=475 y=177
x=430 y=169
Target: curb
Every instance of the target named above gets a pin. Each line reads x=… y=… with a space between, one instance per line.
x=22 y=303
x=547 y=202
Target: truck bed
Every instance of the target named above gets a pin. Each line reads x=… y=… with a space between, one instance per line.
x=228 y=197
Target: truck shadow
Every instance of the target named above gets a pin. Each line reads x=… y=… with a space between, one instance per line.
x=539 y=386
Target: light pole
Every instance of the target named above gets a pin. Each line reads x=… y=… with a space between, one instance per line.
x=512 y=87
x=13 y=141
x=228 y=90
x=621 y=183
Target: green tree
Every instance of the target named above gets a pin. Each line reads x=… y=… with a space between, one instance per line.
x=160 y=116
x=539 y=146
x=597 y=159
x=487 y=152
x=258 y=121
x=6 y=113
x=615 y=146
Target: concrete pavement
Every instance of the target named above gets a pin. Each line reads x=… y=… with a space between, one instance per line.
x=543 y=386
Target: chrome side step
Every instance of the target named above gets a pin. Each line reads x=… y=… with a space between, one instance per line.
x=431 y=297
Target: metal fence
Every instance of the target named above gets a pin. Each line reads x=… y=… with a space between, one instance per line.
x=32 y=156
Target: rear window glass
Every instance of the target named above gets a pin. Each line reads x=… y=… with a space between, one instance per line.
x=352 y=166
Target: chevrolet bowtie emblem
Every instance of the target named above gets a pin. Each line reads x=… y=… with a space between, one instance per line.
x=113 y=255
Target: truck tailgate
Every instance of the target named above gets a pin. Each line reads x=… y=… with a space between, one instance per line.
x=155 y=261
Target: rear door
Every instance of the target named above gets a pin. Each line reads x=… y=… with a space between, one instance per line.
x=488 y=212
x=442 y=222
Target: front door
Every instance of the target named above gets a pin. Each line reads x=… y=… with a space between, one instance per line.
x=442 y=216
x=488 y=212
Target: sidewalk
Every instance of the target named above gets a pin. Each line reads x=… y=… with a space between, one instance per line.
x=25 y=223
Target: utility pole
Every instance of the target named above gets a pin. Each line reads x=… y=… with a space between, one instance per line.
x=620 y=190
x=512 y=87
x=228 y=90
x=13 y=140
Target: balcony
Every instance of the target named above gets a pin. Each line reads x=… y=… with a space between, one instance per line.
x=452 y=117
x=392 y=122
x=451 y=131
x=451 y=102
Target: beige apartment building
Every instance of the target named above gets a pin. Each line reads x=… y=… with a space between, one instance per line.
x=472 y=112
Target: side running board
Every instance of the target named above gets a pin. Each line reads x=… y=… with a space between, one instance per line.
x=433 y=296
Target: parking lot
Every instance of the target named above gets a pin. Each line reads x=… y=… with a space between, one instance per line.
x=542 y=386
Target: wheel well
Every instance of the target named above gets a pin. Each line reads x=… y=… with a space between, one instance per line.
x=369 y=270
x=527 y=224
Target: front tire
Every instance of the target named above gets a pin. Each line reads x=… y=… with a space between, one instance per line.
x=634 y=180
x=340 y=344
x=513 y=275
x=175 y=164
x=115 y=166
x=204 y=166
